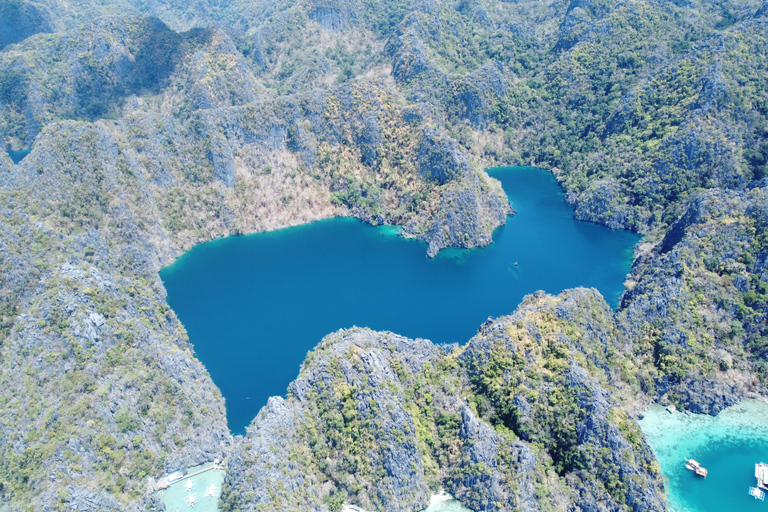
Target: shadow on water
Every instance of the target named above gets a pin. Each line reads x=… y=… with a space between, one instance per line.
x=254 y=305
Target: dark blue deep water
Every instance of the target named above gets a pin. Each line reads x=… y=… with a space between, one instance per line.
x=18 y=156
x=254 y=305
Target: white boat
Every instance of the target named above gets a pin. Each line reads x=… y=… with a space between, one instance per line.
x=696 y=467
x=191 y=500
x=189 y=485
x=757 y=493
x=761 y=474
x=211 y=491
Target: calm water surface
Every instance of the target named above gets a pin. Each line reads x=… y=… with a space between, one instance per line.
x=18 y=156
x=254 y=305
x=728 y=445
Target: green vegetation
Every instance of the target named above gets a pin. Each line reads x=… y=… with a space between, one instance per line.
x=149 y=139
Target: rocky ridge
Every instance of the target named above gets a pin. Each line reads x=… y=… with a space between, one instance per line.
x=382 y=422
x=252 y=116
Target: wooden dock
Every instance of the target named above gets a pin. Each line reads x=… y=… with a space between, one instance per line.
x=165 y=482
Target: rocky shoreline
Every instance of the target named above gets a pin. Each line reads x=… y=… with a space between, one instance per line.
x=148 y=139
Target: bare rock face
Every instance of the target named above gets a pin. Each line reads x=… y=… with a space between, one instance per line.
x=481 y=478
x=601 y=203
x=468 y=213
x=440 y=158
x=479 y=93
x=572 y=411
x=346 y=429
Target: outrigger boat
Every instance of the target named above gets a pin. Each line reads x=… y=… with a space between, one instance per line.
x=696 y=467
x=191 y=500
x=761 y=473
x=757 y=493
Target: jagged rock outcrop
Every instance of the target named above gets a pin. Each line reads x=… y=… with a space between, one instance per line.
x=479 y=93
x=347 y=425
x=601 y=203
x=544 y=385
x=440 y=158
x=409 y=54
x=379 y=421
x=466 y=216
x=155 y=126
x=100 y=372
x=482 y=477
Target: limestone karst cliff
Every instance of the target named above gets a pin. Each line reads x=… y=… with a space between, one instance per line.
x=157 y=125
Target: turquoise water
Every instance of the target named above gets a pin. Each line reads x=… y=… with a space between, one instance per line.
x=18 y=156
x=728 y=445
x=254 y=305
x=176 y=496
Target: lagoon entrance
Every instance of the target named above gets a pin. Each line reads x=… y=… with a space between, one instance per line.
x=729 y=445
x=254 y=305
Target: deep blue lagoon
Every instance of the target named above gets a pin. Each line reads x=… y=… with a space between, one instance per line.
x=254 y=305
x=18 y=156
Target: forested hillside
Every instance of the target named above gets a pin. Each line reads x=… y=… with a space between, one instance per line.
x=154 y=126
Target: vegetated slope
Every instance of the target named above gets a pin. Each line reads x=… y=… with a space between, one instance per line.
x=696 y=303
x=527 y=416
x=90 y=72
x=381 y=157
x=257 y=115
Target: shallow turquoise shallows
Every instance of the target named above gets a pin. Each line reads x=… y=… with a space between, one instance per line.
x=727 y=445
x=18 y=156
x=254 y=305
x=445 y=503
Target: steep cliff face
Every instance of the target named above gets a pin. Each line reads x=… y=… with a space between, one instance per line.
x=150 y=134
x=353 y=438
x=527 y=416
x=697 y=303
x=19 y=20
x=554 y=374
x=101 y=389
x=97 y=400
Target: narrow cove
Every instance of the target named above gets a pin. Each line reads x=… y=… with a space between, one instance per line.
x=254 y=305
x=18 y=156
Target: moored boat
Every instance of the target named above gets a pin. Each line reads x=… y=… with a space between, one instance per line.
x=757 y=493
x=696 y=467
x=761 y=474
